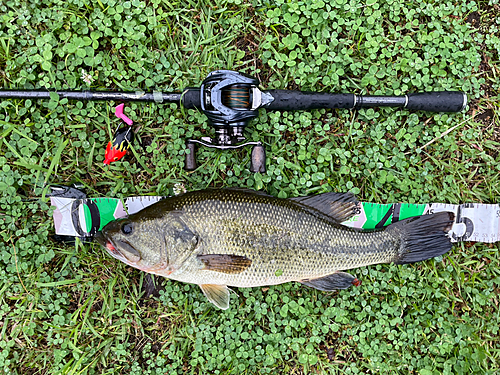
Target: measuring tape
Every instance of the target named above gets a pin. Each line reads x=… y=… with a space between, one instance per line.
x=83 y=217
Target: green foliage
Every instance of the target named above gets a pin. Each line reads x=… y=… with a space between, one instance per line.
x=73 y=310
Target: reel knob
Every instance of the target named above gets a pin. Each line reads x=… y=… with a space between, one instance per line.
x=258 y=159
x=190 y=162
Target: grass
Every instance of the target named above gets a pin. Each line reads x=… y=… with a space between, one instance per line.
x=72 y=309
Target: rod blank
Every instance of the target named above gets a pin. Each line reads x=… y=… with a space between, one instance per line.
x=138 y=96
x=285 y=100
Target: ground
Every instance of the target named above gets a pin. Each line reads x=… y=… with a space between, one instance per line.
x=72 y=309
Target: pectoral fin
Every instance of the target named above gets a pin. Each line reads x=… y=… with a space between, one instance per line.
x=217 y=294
x=225 y=263
x=337 y=280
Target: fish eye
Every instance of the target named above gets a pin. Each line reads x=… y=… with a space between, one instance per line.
x=127 y=228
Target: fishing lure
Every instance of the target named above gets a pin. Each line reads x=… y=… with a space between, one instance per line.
x=122 y=139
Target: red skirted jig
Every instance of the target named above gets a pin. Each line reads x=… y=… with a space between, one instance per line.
x=122 y=139
x=118 y=147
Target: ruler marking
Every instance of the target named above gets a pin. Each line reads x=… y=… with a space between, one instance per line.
x=474 y=221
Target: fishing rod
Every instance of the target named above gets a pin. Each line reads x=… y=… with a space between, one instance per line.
x=230 y=100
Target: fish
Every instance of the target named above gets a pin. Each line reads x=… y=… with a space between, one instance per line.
x=220 y=238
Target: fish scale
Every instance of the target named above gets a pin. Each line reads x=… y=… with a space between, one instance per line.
x=241 y=238
x=271 y=234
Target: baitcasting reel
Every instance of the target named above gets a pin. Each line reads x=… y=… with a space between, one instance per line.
x=230 y=100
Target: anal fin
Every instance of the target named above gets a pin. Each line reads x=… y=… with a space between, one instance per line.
x=217 y=294
x=337 y=280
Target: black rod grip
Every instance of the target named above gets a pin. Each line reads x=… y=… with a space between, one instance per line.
x=288 y=100
x=438 y=101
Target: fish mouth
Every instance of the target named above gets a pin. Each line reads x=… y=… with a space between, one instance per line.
x=127 y=253
x=99 y=237
x=108 y=245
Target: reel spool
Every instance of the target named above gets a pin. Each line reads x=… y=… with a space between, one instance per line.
x=237 y=97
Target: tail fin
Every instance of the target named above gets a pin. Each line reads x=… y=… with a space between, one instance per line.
x=423 y=237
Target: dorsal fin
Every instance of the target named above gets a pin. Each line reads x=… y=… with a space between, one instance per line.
x=339 y=206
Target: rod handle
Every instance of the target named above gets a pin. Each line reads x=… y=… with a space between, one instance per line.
x=289 y=100
x=438 y=101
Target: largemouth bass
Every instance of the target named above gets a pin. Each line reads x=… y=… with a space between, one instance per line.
x=242 y=238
